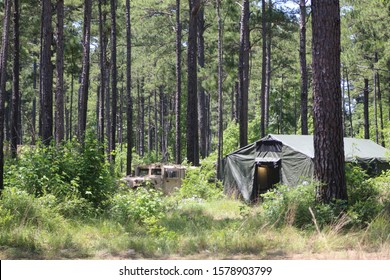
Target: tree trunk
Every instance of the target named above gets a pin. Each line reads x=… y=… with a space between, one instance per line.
x=155 y=122
x=102 y=62
x=381 y=132
x=34 y=105
x=268 y=65
x=15 y=106
x=303 y=66
x=83 y=92
x=243 y=73
x=47 y=75
x=349 y=102
x=263 y=69
x=71 y=106
x=220 y=77
x=59 y=116
x=3 y=77
x=328 y=126
x=129 y=101
x=366 y=113
x=192 y=100
x=202 y=109
x=178 y=85
x=162 y=120
x=114 y=80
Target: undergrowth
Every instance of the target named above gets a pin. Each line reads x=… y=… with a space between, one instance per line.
x=55 y=215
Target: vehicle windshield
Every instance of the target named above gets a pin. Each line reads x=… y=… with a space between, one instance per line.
x=156 y=171
x=171 y=173
x=143 y=172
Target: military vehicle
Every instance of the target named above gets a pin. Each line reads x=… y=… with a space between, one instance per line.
x=166 y=177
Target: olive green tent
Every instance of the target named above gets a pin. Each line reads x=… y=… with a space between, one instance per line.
x=288 y=159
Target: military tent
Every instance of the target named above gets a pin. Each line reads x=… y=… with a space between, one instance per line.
x=288 y=159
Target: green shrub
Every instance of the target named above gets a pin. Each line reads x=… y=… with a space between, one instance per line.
x=200 y=182
x=285 y=205
x=70 y=170
x=138 y=205
x=363 y=196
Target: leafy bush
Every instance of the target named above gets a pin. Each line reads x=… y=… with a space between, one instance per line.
x=285 y=205
x=200 y=182
x=70 y=170
x=137 y=206
x=363 y=196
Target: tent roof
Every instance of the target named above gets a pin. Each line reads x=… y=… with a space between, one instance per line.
x=360 y=149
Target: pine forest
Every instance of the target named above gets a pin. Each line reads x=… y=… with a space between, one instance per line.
x=92 y=90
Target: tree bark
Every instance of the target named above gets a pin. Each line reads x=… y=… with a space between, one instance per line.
x=34 y=104
x=263 y=69
x=349 y=103
x=243 y=73
x=3 y=77
x=366 y=113
x=202 y=109
x=83 y=92
x=192 y=99
x=114 y=80
x=268 y=65
x=15 y=106
x=303 y=66
x=178 y=85
x=328 y=126
x=129 y=101
x=59 y=115
x=220 y=76
x=47 y=75
x=102 y=62
x=381 y=123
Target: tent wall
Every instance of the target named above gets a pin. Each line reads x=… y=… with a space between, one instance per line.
x=296 y=153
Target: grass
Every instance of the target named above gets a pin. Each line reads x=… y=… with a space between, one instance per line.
x=219 y=229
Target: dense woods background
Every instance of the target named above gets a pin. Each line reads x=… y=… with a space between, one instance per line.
x=88 y=89
x=149 y=70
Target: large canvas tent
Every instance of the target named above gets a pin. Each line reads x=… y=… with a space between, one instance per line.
x=288 y=159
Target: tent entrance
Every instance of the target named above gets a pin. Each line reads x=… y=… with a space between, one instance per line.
x=267 y=174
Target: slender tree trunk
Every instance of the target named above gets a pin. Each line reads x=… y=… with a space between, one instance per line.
x=178 y=85
x=150 y=127
x=71 y=106
x=366 y=113
x=47 y=75
x=162 y=121
x=59 y=117
x=142 y=123
x=114 y=80
x=129 y=101
x=349 y=102
x=83 y=92
x=102 y=62
x=381 y=132
x=268 y=65
x=376 y=110
x=202 y=109
x=192 y=100
x=155 y=122
x=264 y=69
x=328 y=126
x=220 y=76
x=303 y=66
x=34 y=105
x=15 y=102
x=243 y=73
x=3 y=77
